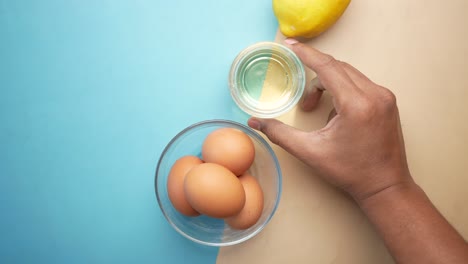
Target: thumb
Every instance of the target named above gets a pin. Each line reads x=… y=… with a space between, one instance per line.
x=289 y=138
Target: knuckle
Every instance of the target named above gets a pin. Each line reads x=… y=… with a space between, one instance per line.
x=326 y=61
x=366 y=104
x=344 y=64
x=367 y=108
x=274 y=138
x=388 y=100
x=364 y=109
x=272 y=133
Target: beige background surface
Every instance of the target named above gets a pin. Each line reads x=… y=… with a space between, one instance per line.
x=419 y=50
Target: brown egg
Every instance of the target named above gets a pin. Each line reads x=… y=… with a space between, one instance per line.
x=253 y=207
x=213 y=190
x=231 y=148
x=175 y=184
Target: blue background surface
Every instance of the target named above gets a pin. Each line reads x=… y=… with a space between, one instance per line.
x=90 y=93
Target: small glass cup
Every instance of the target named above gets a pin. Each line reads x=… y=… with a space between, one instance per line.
x=267 y=79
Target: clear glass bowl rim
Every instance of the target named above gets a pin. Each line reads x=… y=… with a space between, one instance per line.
x=253 y=133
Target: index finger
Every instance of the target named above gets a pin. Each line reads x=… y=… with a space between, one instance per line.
x=330 y=72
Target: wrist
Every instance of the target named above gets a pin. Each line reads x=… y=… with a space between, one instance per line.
x=381 y=182
x=393 y=193
x=411 y=226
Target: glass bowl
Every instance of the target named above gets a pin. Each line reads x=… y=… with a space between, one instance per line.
x=266 y=79
x=203 y=229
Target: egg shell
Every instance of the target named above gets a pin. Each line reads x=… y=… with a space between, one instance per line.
x=175 y=184
x=252 y=210
x=230 y=148
x=213 y=190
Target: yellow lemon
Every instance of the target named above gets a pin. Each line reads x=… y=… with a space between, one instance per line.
x=307 y=18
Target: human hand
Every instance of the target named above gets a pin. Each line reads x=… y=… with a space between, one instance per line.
x=361 y=148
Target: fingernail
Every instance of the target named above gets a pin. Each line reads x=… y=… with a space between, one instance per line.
x=290 y=41
x=254 y=123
